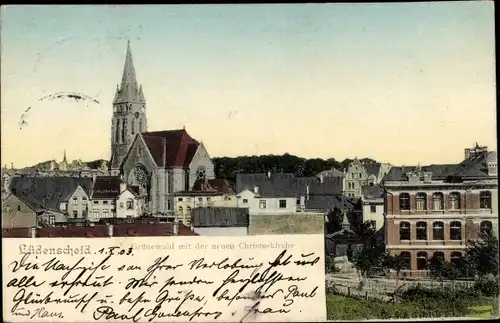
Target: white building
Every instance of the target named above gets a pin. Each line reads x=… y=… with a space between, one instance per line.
x=373 y=205
x=272 y=203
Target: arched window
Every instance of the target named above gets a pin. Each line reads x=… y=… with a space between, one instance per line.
x=140 y=125
x=133 y=126
x=437 y=200
x=485 y=200
x=421 y=230
x=455 y=257
x=438 y=230
x=486 y=227
x=421 y=201
x=405 y=257
x=455 y=230
x=117 y=131
x=404 y=201
x=454 y=201
x=181 y=210
x=404 y=231
x=421 y=260
x=188 y=209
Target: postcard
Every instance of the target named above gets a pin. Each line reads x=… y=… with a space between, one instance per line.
x=249 y=162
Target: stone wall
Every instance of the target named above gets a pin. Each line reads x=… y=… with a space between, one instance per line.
x=293 y=223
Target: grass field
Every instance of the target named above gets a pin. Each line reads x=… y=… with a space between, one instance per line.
x=346 y=308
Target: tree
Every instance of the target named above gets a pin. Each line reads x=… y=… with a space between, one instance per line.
x=371 y=256
x=482 y=255
x=395 y=263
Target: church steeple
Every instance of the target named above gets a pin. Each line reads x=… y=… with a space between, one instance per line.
x=129 y=90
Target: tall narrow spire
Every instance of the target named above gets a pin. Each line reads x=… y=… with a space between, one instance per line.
x=129 y=90
x=64 y=158
x=128 y=77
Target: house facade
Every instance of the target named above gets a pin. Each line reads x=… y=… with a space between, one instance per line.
x=112 y=198
x=363 y=174
x=17 y=213
x=436 y=209
x=372 y=201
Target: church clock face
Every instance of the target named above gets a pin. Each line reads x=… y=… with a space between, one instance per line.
x=200 y=172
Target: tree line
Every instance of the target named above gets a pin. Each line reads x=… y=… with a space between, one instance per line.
x=228 y=167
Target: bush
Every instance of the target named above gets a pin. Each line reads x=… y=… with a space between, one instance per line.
x=487 y=285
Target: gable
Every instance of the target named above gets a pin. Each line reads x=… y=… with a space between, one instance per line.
x=79 y=191
x=139 y=153
x=127 y=194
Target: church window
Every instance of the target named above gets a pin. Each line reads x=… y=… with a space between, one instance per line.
x=133 y=126
x=124 y=131
x=19 y=208
x=117 y=130
x=140 y=125
x=200 y=172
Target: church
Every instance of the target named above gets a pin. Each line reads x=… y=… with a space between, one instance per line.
x=159 y=162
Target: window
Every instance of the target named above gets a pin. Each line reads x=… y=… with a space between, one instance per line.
x=298 y=201
x=405 y=257
x=373 y=208
x=181 y=210
x=227 y=198
x=200 y=199
x=282 y=204
x=404 y=231
x=486 y=227
x=188 y=209
x=84 y=200
x=404 y=201
x=75 y=214
x=169 y=205
x=52 y=220
x=121 y=205
x=105 y=213
x=359 y=175
x=245 y=200
x=179 y=199
x=7 y=208
x=421 y=260
x=421 y=201
x=133 y=126
x=438 y=230
x=96 y=202
x=130 y=204
x=262 y=204
x=437 y=200
x=455 y=230
x=188 y=199
x=421 y=230
x=454 y=201
x=208 y=199
x=485 y=200
x=456 y=257
x=96 y=214
x=75 y=200
x=373 y=224
x=104 y=202
x=19 y=208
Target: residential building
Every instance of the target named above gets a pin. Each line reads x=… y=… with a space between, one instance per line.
x=274 y=193
x=17 y=213
x=59 y=200
x=220 y=221
x=434 y=210
x=372 y=202
x=204 y=193
x=112 y=198
x=362 y=174
x=159 y=162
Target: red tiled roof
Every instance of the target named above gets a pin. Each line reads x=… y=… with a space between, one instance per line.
x=101 y=231
x=179 y=151
x=216 y=185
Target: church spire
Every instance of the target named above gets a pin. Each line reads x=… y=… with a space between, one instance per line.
x=128 y=77
x=129 y=90
x=64 y=158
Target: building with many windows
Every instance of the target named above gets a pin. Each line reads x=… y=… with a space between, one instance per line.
x=434 y=210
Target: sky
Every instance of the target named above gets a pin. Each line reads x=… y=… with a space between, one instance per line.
x=404 y=83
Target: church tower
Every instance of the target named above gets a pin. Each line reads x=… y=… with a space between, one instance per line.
x=129 y=113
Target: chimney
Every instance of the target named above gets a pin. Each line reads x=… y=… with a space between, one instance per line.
x=110 y=230
x=307 y=192
x=269 y=174
x=467 y=153
x=256 y=190
x=321 y=178
x=123 y=187
x=33 y=232
x=175 y=227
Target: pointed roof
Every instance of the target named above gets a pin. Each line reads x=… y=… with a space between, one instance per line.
x=129 y=90
x=64 y=158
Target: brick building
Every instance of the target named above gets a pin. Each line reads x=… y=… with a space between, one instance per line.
x=436 y=209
